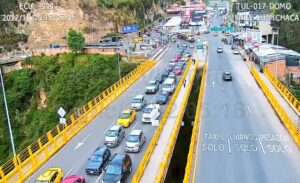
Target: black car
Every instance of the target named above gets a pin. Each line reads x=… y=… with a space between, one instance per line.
x=118 y=169
x=227 y=76
x=160 y=78
x=162 y=98
x=166 y=72
x=98 y=161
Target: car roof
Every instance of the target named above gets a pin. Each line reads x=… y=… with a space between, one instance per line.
x=118 y=159
x=115 y=127
x=47 y=174
x=72 y=178
x=135 y=132
x=126 y=111
x=139 y=96
x=100 y=150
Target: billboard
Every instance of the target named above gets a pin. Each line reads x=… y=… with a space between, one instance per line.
x=130 y=28
x=253 y=36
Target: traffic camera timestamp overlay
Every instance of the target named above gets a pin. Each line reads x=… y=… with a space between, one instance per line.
x=261 y=12
x=49 y=13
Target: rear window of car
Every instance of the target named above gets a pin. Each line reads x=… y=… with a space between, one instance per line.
x=132 y=138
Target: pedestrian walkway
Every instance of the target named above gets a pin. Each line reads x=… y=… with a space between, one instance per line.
x=294 y=116
x=162 y=143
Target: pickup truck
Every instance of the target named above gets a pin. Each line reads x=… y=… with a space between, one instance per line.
x=151 y=113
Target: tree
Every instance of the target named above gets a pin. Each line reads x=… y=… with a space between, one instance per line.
x=75 y=40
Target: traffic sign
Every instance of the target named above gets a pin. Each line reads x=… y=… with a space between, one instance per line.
x=130 y=28
x=62 y=121
x=215 y=29
x=61 y=112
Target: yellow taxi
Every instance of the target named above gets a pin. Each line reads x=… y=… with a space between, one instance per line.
x=136 y=40
x=126 y=118
x=52 y=175
x=140 y=38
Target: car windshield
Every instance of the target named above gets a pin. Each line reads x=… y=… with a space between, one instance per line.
x=112 y=133
x=132 y=138
x=96 y=158
x=167 y=85
x=148 y=109
x=114 y=170
x=124 y=115
x=161 y=96
x=151 y=83
x=137 y=100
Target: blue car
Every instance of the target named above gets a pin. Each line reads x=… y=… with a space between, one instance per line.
x=162 y=98
x=98 y=161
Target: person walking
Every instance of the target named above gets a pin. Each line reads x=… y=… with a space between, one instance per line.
x=184 y=83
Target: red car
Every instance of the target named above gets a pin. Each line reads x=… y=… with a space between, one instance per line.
x=177 y=71
x=74 y=179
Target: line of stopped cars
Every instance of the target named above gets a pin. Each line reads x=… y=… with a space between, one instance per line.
x=117 y=167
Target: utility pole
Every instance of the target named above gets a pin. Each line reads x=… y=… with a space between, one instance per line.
x=277 y=52
x=7 y=114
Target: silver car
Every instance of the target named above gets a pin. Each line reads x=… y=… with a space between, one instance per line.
x=138 y=102
x=114 y=136
x=135 y=141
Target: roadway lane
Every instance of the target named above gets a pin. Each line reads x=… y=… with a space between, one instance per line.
x=72 y=158
x=241 y=139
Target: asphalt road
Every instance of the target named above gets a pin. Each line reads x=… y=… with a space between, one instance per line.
x=72 y=158
x=241 y=138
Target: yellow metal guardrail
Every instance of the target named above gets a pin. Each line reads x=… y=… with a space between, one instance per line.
x=144 y=161
x=284 y=91
x=189 y=164
x=27 y=161
x=161 y=174
x=288 y=123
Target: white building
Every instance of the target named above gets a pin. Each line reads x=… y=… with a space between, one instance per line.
x=173 y=24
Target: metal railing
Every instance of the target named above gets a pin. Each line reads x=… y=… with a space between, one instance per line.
x=161 y=174
x=144 y=161
x=288 y=123
x=284 y=91
x=195 y=132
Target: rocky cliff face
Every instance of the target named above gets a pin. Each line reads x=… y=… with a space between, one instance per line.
x=48 y=21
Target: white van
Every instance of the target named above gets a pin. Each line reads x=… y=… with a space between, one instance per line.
x=168 y=85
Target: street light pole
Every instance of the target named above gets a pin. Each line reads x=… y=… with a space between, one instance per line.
x=119 y=68
x=277 y=52
x=7 y=114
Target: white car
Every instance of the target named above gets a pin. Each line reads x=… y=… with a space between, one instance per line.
x=114 y=136
x=138 y=102
x=151 y=113
x=135 y=141
x=235 y=52
x=192 y=46
x=220 y=50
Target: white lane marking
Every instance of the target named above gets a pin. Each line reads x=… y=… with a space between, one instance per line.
x=100 y=176
x=70 y=170
x=137 y=122
x=222 y=88
x=225 y=112
x=82 y=142
x=263 y=150
x=229 y=148
x=248 y=108
x=213 y=83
